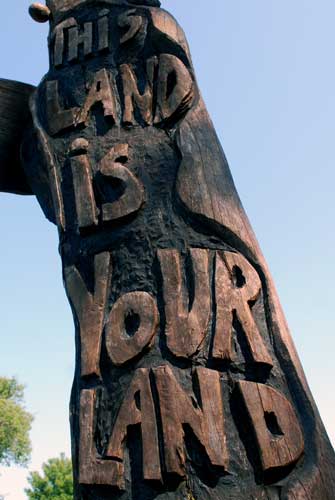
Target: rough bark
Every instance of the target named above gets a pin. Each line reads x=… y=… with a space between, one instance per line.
x=187 y=382
x=14 y=117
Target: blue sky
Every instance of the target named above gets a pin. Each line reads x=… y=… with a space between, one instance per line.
x=266 y=71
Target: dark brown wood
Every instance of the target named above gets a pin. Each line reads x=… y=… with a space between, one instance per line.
x=89 y=309
x=138 y=408
x=58 y=41
x=133 y=23
x=58 y=119
x=82 y=183
x=237 y=286
x=39 y=12
x=173 y=104
x=77 y=38
x=186 y=324
x=132 y=96
x=14 y=118
x=112 y=166
x=103 y=25
x=91 y=468
x=178 y=410
x=100 y=91
x=122 y=343
x=187 y=382
x=277 y=431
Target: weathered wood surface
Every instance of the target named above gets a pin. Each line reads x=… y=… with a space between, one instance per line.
x=14 y=117
x=187 y=382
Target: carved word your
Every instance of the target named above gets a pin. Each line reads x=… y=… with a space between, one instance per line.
x=186 y=325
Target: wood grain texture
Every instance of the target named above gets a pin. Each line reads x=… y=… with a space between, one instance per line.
x=186 y=322
x=131 y=326
x=89 y=310
x=60 y=7
x=113 y=168
x=138 y=408
x=187 y=382
x=237 y=286
x=93 y=470
x=178 y=410
x=132 y=96
x=279 y=439
x=39 y=12
x=14 y=118
x=82 y=182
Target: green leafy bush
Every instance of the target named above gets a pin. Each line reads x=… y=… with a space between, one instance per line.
x=55 y=483
x=15 y=424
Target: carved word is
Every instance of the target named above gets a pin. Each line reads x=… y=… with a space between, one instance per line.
x=112 y=168
x=173 y=87
x=187 y=324
x=178 y=410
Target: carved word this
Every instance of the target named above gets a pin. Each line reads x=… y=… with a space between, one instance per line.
x=278 y=449
x=69 y=37
x=173 y=99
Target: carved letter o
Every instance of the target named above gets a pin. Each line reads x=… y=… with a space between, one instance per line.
x=121 y=345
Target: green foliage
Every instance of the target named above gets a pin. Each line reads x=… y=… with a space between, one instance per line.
x=15 y=424
x=56 y=483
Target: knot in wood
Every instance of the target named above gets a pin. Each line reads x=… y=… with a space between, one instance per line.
x=79 y=146
x=39 y=12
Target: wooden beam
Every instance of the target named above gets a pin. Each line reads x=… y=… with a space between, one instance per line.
x=14 y=118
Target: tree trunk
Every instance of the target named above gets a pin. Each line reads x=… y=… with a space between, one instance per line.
x=187 y=383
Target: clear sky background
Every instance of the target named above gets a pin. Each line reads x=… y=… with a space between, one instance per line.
x=266 y=70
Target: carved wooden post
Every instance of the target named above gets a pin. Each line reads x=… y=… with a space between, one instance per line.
x=187 y=382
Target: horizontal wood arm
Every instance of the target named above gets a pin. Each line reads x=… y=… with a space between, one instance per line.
x=14 y=118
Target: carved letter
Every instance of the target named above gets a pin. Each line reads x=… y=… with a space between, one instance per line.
x=277 y=431
x=174 y=89
x=82 y=184
x=103 y=30
x=101 y=91
x=236 y=285
x=134 y=23
x=132 y=197
x=58 y=36
x=76 y=39
x=93 y=469
x=177 y=410
x=139 y=310
x=58 y=119
x=186 y=326
x=89 y=309
x=138 y=408
x=132 y=95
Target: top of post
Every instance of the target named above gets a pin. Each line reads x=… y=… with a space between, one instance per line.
x=56 y=8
